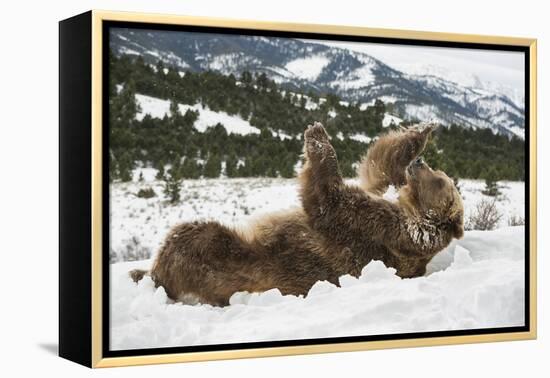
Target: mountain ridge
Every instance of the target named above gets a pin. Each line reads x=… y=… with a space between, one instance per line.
x=352 y=75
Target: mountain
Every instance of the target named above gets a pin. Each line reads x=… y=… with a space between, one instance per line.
x=354 y=76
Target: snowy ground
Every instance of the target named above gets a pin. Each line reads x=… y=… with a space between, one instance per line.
x=476 y=282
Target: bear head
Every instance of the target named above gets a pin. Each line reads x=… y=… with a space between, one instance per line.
x=430 y=194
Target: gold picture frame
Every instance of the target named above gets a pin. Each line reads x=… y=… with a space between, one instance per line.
x=92 y=25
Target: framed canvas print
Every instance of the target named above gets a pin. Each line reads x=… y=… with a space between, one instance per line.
x=235 y=189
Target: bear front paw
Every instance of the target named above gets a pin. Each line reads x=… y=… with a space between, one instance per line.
x=424 y=128
x=317 y=143
x=316 y=132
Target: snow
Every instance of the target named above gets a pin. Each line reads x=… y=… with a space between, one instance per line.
x=466 y=79
x=125 y=50
x=388 y=99
x=359 y=137
x=476 y=282
x=158 y=108
x=390 y=119
x=233 y=124
x=281 y=134
x=155 y=107
x=384 y=99
x=226 y=200
x=359 y=78
x=466 y=288
x=308 y=68
x=426 y=113
x=310 y=104
x=518 y=131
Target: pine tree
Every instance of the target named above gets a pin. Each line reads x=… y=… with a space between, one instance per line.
x=491 y=185
x=246 y=78
x=172 y=182
x=213 y=166
x=431 y=154
x=125 y=167
x=190 y=169
x=113 y=167
x=287 y=166
x=174 y=109
x=160 y=172
x=123 y=107
x=231 y=166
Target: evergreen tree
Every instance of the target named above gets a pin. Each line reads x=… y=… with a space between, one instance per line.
x=191 y=169
x=231 y=166
x=160 y=172
x=303 y=102
x=113 y=167
x=213 y=166
x=125 y=167
x=246 y=78
x=431 y=154
x=286 y=169
x=172 y=182
x=174 y=109
x=160 y=68
x=123 y=106
x=491 y=185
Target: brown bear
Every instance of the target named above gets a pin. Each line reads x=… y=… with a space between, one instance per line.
x=339 y=229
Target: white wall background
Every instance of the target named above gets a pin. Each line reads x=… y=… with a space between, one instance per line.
x=29 y=174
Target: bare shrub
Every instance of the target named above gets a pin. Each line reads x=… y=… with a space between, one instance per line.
x=146 y=193
x=132 y=251
x=485 y=216
x=516 y=221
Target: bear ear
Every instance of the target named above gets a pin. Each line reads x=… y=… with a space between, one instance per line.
x=457 y=225
x=458 y=230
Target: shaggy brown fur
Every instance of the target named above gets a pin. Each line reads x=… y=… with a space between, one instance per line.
x=338 y=230
x=387 y=159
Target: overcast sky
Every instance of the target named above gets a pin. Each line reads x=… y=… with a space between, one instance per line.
x=500 y=67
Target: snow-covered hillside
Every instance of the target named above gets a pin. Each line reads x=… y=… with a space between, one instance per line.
x=464 y=79
x=477 y=282
x=158 y=108
x=234 y=124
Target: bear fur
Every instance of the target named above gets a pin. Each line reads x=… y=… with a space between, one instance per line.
x=338 y=230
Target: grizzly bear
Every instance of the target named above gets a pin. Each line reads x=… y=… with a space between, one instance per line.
x=338 y=230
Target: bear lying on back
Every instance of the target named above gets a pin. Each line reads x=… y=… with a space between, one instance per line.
x=338 y=230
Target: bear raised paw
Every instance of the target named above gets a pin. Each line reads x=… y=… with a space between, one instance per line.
x=387 y=159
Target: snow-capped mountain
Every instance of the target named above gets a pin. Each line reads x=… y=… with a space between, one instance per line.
x=434 y=94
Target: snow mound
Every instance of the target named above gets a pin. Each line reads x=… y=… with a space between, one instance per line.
x=477 y=282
